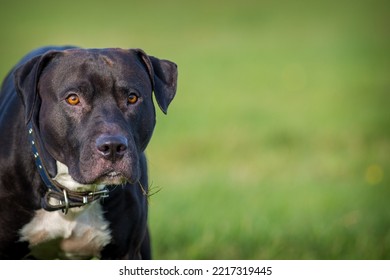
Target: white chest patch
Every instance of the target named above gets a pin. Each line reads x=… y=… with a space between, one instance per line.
x=81 y=233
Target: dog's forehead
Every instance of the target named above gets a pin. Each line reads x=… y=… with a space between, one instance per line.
x=106 y=57
x=105 y=65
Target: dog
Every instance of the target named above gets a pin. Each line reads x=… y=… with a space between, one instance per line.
x=74 y=125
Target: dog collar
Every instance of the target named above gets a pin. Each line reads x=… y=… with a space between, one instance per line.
x=66 y=198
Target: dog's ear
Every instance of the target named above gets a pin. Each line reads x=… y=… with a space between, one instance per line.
x=26 y=78
x=26 y=82
x=163 y=74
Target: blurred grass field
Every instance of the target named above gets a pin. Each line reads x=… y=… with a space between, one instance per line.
x=277 y=145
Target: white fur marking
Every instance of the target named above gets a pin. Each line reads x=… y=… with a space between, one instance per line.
x=83 y=231
x=63 y=177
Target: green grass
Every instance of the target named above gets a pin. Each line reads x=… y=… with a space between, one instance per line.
x=277 y=145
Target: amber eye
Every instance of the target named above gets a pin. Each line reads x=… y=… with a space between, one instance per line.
x=73 y=99
x=132 y=98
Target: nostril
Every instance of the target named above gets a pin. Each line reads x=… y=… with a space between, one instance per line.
x=111 y=147
x=121 y=149
x=104 y=149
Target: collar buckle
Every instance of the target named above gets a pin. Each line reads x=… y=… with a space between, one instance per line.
x=66 y=202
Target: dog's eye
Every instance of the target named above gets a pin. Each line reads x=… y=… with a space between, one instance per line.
x=132 y=98
x=73 y=99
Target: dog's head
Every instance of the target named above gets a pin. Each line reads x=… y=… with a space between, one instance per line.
x=93 y=109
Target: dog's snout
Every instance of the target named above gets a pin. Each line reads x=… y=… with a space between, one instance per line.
x=111 y=147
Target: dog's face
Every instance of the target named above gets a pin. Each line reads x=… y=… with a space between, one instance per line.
x=96 y=113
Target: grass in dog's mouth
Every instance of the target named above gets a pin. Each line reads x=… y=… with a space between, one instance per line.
x=150 y=191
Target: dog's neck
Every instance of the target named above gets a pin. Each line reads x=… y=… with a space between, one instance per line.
x=63 y=177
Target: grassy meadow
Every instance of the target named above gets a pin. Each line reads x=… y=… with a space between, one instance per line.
x=277 y=145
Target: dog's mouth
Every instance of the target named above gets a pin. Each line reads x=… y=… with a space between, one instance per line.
x=112 y=178
x=113 y=174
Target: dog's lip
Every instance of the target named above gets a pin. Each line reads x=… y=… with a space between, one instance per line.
x=112 y=178
x=113 y=174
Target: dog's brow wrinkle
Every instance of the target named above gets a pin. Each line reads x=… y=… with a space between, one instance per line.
x=107 y=60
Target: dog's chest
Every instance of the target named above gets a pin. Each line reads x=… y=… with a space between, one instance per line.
x=82 y=233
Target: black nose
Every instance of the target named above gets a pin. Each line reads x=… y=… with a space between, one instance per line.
x=111 y=147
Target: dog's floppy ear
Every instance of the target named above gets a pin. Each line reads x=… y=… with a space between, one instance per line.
x=163 y=74
x=26 y=81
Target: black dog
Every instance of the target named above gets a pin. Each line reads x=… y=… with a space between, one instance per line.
x=74 y=124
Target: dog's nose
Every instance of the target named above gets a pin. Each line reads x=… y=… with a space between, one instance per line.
x=111 y=147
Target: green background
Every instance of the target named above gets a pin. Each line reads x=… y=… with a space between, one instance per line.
x=277 y=144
